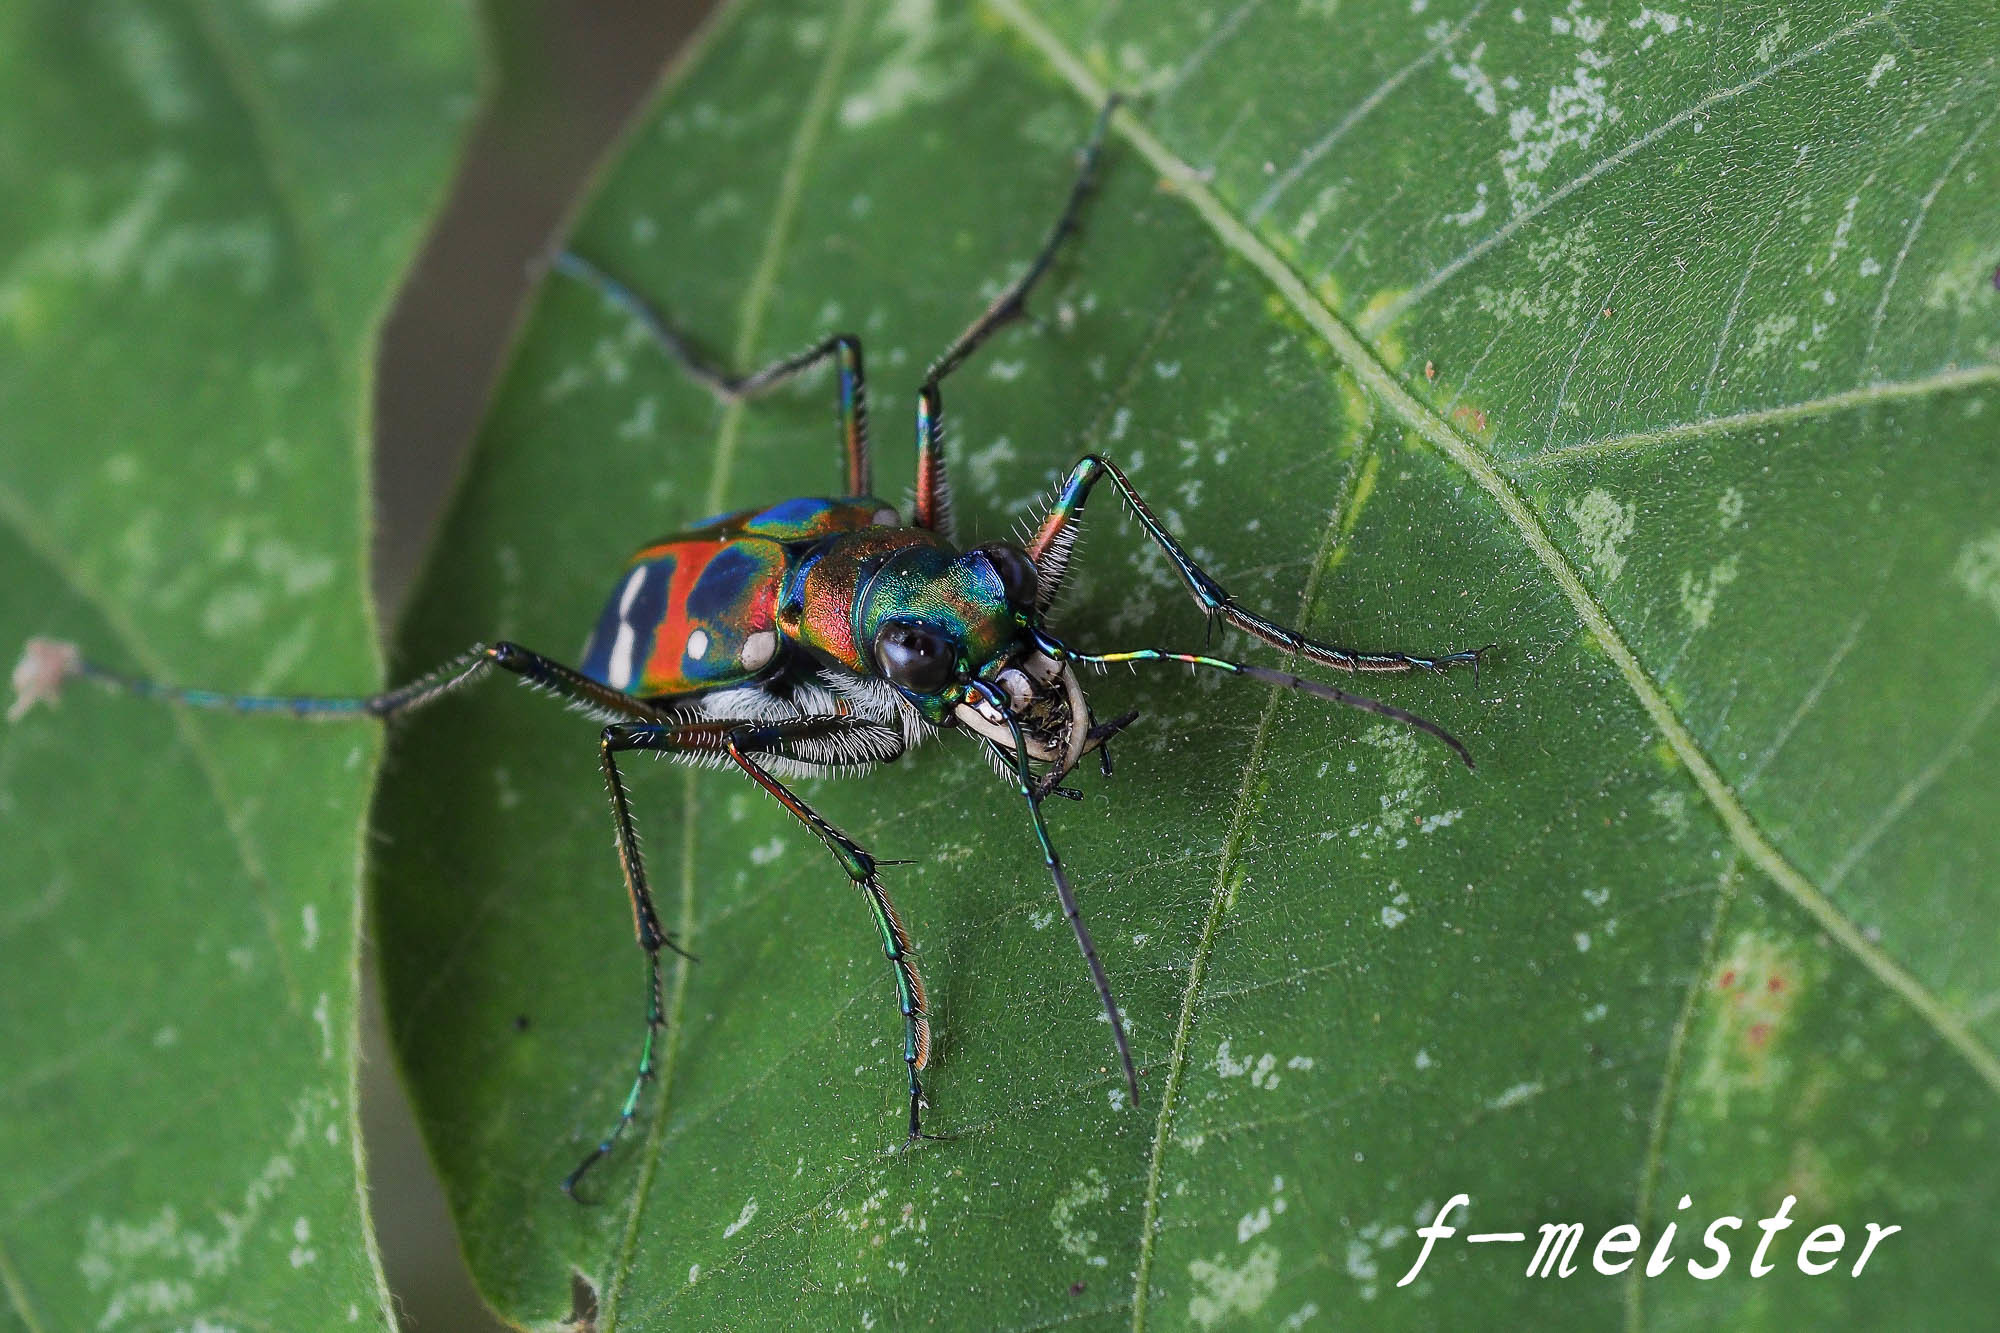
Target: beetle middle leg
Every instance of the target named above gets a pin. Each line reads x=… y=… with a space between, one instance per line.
x=851 y=402
x=742 y=743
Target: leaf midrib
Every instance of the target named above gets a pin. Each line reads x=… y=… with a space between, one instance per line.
x=1360 y=360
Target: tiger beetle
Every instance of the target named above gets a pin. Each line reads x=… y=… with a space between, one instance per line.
x=826 y=636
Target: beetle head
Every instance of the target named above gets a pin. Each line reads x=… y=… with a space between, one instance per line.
x=957 y=635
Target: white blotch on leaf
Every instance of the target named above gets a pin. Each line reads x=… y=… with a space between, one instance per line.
x=1230 y=1290
x=908 y=76
x=1768 y=45
x=1729 y=506
x=1469 y=75
x=1081 y=1194
x=1603 y=524
x=1261 y=1069
x=1698 y=595
x=152 y=62
x=1977 y=570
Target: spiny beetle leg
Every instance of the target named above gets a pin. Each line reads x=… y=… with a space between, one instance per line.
x=741 y=743
x=850 y=387
x=1214 y=601
x=933 y=499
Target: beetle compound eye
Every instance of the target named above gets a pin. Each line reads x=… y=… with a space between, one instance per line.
x=915 y=656
x=1016 y=571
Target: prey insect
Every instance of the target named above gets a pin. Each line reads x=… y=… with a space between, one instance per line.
x=826 y=636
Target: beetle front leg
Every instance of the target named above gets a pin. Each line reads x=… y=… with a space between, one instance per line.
x=1050 y=547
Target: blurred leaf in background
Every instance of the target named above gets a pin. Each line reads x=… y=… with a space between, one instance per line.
x=208 y=208
x=1659 y=348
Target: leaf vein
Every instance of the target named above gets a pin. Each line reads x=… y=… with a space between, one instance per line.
x=1917 y=224
x=1656 y=1132
x=1943 y=381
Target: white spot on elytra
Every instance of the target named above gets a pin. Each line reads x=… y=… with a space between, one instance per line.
x=620 y=669
x=697 y=645
x=758 y=649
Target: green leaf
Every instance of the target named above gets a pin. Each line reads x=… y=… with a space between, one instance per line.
x=208 y=206
x=1658 y=349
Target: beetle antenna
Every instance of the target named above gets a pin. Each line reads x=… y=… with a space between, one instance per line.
x=1285 y=678
x=1031 y=792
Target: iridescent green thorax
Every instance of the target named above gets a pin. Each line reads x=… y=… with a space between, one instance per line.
x=838 y=599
